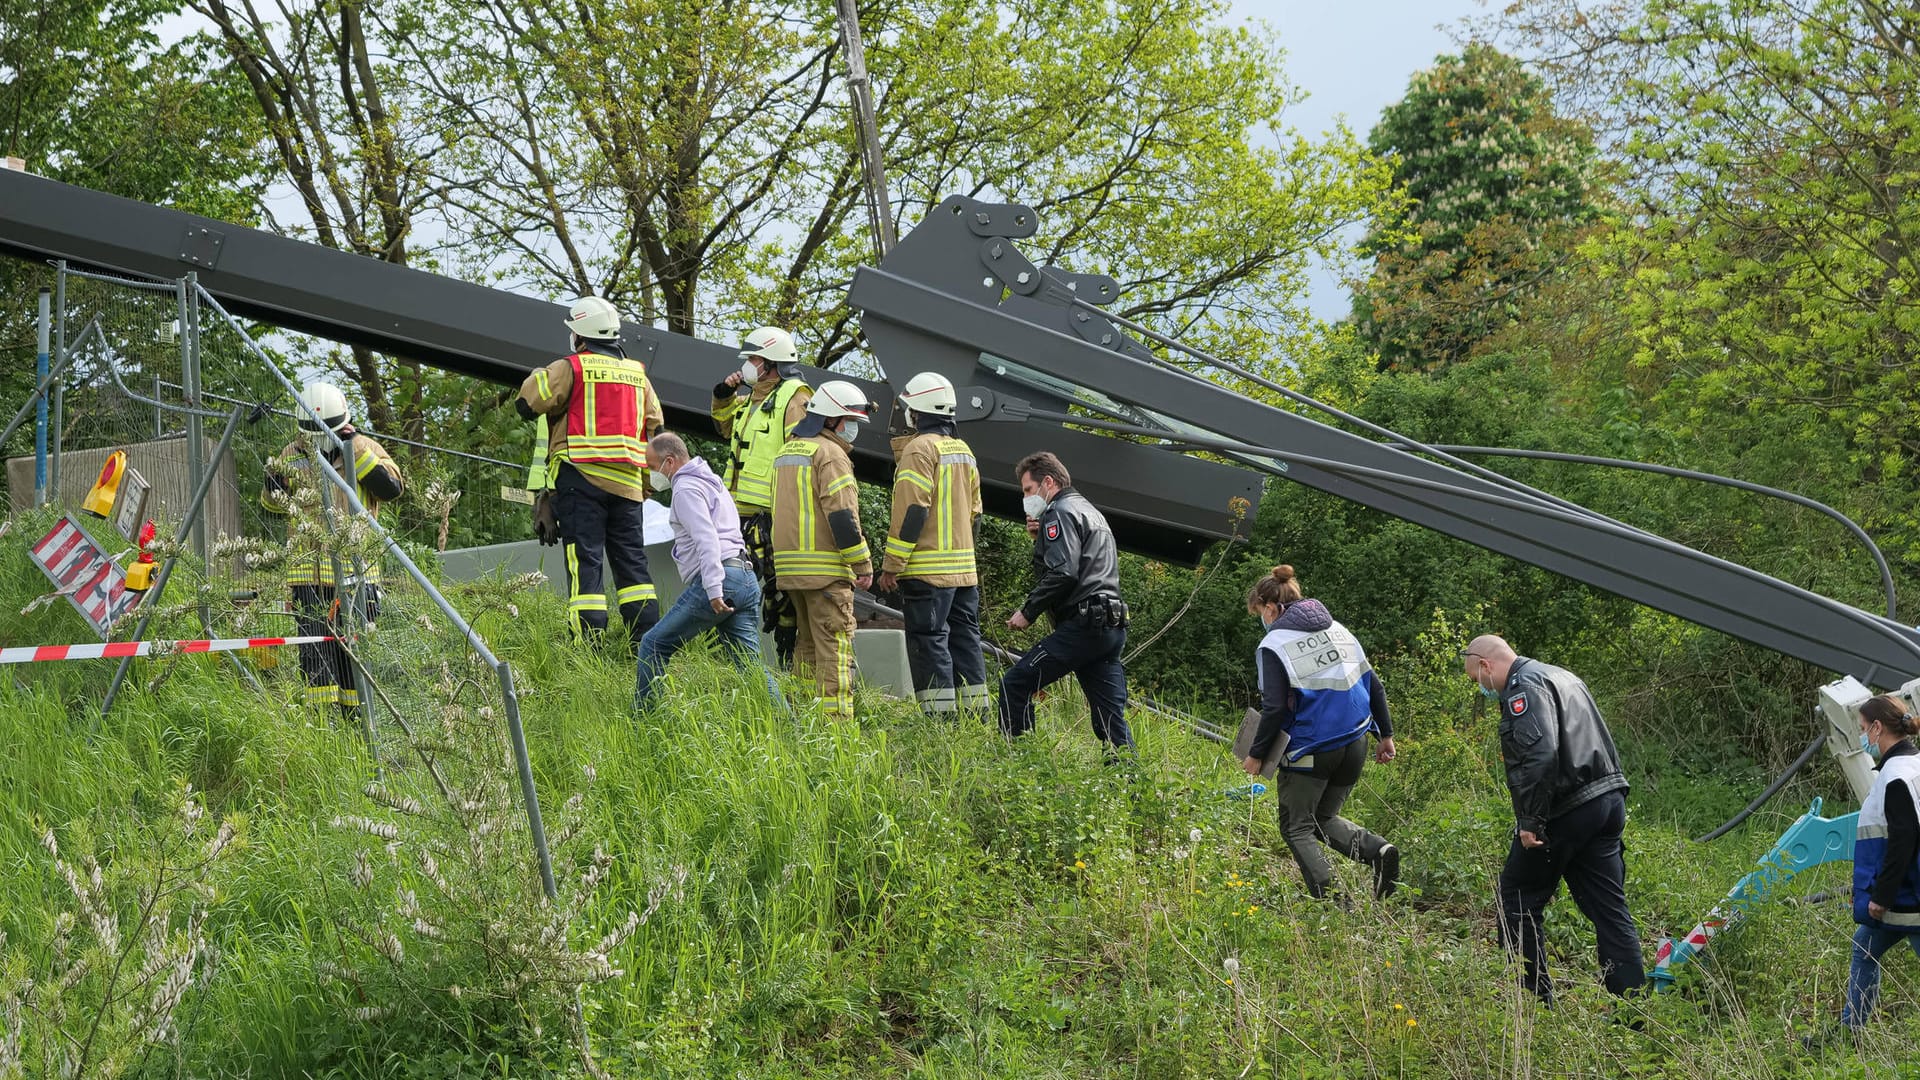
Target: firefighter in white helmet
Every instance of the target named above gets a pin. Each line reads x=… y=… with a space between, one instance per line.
x=311 y=573
x=601 y=410
x=929 y=553
x=756 y=422
x=819 y=554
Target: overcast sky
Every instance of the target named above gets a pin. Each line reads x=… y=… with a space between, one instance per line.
x=1353 y=59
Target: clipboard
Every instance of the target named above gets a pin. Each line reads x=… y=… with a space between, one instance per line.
x=1250 y=730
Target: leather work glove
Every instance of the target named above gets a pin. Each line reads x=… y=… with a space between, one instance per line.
x=546 y=527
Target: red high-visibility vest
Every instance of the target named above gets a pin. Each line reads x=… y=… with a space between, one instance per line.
x=607 y=415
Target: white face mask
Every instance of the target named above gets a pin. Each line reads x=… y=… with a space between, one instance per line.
x=1034 y=505
x=749 y=371
x=659 y=481
x=850 y=430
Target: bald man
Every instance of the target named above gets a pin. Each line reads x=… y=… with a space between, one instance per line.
x=1569 y=805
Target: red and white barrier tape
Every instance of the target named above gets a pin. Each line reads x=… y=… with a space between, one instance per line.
x=28 y=654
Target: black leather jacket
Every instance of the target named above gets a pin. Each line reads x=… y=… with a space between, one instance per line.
x=1555 y=744
x=1074 y=557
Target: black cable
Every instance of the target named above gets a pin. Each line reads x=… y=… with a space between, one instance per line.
x=1194 y=724
x=1231 y=446
x=1339 y=414
x=1772 y=790
x=1879 y=560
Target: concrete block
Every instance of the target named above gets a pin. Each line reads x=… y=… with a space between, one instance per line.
x=526 y=556
x=881 y=660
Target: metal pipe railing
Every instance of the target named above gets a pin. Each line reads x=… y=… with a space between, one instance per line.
x=511 y=699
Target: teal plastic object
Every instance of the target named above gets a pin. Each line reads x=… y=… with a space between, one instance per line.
x=1809 y=842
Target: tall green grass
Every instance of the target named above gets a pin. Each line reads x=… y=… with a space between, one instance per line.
x=906 y=896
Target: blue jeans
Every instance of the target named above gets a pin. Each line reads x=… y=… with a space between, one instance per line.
x=1870 y=943
x=691 y=616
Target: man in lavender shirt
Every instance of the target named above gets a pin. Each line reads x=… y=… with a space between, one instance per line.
x=722 y=593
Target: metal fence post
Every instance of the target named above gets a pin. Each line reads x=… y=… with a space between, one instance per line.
x=519 y=737
x=43 y=340
x=59 y=388
x=190 y=380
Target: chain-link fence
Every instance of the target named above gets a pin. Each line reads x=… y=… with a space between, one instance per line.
x=262 y=533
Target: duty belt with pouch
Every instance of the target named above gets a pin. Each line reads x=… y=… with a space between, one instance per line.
x=1102 y=611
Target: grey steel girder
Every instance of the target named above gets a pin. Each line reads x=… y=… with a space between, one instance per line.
x=956 y=294
x=1160 y=504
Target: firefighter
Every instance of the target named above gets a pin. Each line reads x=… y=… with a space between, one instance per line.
x=316 y=600
x=601 y=410
x=756 y=424
x=819 y=554
x=1078 y=569
x=929 y=555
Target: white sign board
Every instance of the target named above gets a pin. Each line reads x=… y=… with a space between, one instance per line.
x=130 y=505
x=84 y=575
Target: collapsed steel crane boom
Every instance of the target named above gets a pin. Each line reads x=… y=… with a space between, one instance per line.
x=1163 y=505
x=957 y=296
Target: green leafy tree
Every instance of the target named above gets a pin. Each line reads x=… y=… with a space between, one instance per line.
x=710 y=182
x=1769 y=273
x=91 y=95
x=354 y=149
x=1498 y=185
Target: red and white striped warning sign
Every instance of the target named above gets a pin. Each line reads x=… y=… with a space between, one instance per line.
x=84 y=574
x=27 y=654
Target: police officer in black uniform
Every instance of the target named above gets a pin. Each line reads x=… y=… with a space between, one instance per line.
x=1079 y=585
x=1569 y=806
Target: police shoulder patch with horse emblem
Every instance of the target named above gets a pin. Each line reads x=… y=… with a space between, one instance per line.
x=1053 y=530
x=1518 y=705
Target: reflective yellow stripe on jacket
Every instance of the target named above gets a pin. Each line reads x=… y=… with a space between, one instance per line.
x=759 y=433
x=944 y=549
x=804 y=546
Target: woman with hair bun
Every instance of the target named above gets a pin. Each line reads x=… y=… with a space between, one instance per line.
x=1318 y=699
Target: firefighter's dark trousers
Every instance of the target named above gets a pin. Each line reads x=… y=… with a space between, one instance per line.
x=604 y=531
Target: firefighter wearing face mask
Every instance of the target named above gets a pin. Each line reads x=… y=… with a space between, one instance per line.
x=819 y=554
x=601 y=409
x=311 y=574
x=756 y=424
x=929 y=554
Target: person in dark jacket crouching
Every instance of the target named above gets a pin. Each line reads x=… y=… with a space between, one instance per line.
x=1570 y=808
x=1318 y=699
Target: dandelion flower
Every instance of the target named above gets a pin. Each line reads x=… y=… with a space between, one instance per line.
x=1079 y=864
x=1411 y=1022
x=1397 y=1005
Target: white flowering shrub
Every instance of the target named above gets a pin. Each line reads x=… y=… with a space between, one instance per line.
x=442 y=923
x=128 y=947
